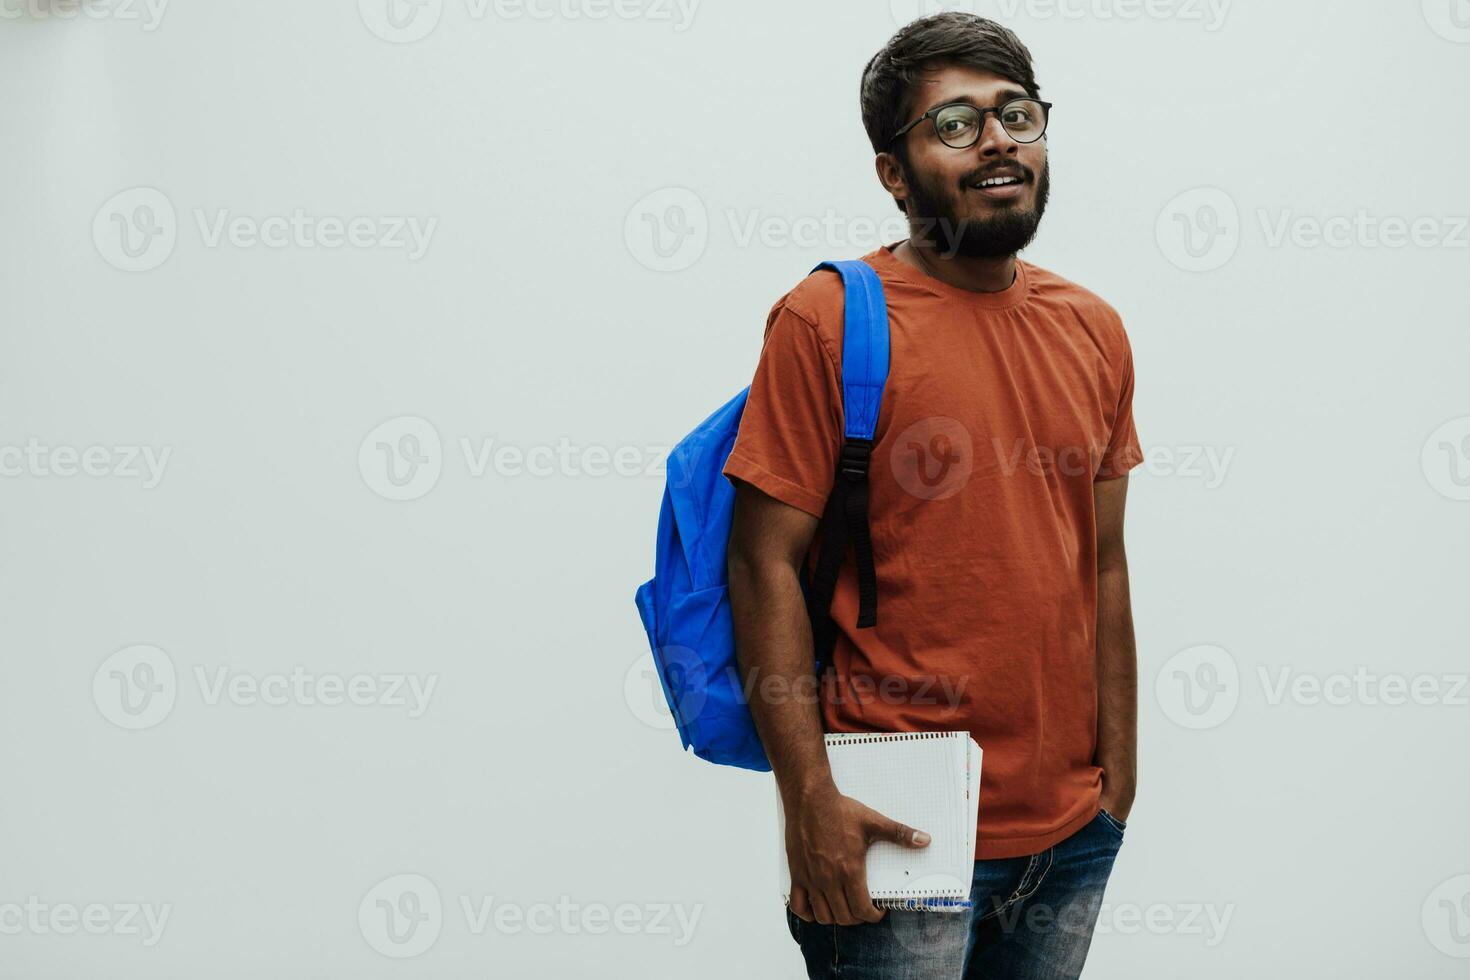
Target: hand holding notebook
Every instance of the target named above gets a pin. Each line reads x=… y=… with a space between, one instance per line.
x=927 y=780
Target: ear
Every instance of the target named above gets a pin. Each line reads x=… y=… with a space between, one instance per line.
x=891 y=176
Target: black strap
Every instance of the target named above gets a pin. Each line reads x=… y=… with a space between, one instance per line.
x=845 y=520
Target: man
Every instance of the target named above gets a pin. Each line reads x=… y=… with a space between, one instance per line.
x=996 y=494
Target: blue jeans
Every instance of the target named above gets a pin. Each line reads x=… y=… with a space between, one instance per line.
x=1032 y=920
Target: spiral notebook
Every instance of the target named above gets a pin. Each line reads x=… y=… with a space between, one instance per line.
x=927 y=780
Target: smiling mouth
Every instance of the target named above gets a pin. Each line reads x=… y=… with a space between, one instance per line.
x=1001 y=187
x=1003 y=181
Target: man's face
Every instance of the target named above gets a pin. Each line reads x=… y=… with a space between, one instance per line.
x=940 y=183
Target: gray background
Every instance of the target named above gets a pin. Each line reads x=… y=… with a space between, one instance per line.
x=589 y=287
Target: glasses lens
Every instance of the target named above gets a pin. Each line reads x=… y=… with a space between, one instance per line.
x=1024 y=120
x=958 y=125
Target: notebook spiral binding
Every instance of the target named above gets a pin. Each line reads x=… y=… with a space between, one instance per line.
x=850 y=738
x=924 y=904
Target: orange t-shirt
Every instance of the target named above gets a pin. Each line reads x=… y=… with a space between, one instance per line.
x=1000 y=411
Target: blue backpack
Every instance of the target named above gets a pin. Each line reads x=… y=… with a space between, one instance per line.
x=685 y=607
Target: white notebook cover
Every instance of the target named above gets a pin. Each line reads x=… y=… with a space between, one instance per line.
x=927 y=780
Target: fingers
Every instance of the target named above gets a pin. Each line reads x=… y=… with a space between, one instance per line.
x=860 y=903
x=847 y=905
x=882 y=828
x=800 y=906
x=821 y=911
x=841 y=913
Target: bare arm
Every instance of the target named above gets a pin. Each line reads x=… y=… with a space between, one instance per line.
x=1117 y=658
x=768 y=543
x=827 y=834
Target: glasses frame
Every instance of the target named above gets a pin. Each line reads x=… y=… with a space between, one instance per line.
x=979 y=130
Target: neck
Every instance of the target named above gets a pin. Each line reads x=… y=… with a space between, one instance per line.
x=979 y=275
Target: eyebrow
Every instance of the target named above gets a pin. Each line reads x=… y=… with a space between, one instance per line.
x=1002 y=97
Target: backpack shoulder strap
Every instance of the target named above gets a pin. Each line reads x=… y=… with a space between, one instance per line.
x=864 y=345
x=864 y=374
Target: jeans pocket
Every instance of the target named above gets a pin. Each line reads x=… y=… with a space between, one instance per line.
x=1118 y=825
x=793 y=924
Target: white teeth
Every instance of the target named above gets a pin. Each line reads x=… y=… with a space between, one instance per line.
x=998 y=181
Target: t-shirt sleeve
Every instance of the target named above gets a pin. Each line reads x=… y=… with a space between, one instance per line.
x=791 y=431
x=1123 y=452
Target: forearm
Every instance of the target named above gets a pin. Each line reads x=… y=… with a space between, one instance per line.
x=773 y=644
x=1117 y=682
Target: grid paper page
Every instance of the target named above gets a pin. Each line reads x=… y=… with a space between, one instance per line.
x=923 y=780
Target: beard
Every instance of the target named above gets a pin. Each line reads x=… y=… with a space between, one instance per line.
x=1005 y=231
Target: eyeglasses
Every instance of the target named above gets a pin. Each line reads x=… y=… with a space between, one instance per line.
x=959 y=124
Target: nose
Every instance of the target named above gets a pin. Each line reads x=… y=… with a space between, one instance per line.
x=994 y=140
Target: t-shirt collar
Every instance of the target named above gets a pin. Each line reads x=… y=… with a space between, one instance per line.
x=1013 y=295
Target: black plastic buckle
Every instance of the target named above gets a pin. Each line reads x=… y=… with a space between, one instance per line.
x=854 y=461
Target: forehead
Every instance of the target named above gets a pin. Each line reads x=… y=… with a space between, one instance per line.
x=957 y=83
